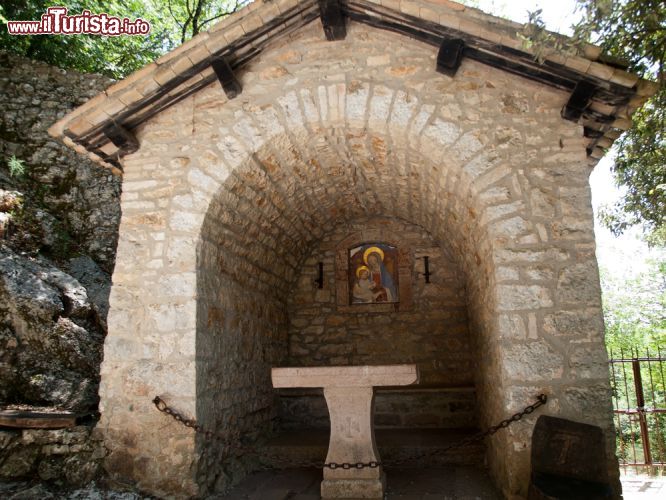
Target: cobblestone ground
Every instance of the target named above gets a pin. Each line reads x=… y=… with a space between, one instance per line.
x=643 y=487
x=43 y=491
x=303 y=484
x=402 y=484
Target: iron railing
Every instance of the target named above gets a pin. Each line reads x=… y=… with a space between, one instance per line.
x=639 y=404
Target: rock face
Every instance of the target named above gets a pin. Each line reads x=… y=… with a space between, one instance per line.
x=51 y=336
x=70 y=204
x=59 y=216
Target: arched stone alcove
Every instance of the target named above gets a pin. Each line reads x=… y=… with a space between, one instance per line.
x=259 y=230
x=427 y=326
x=225 y=201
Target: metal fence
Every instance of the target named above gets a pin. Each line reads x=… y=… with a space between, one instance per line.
x=639 y=404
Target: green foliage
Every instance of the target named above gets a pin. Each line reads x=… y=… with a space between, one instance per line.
x=640 y=167
x=541 y=42
x=111 y=56
x=16 y=167
x=635 y=308
x=635 y=316
x=194 y=16
x=633 y=31
x=172 y=22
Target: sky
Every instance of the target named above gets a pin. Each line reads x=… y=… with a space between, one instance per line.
x=626 y=254
x=557 y=14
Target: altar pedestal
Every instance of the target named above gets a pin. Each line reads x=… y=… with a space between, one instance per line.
x=349 y=395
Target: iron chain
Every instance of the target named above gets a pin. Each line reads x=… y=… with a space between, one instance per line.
x=542 y=399
x=161 y=405
x=356 y=465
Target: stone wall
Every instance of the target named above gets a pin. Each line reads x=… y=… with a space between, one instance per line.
x=431 y=332
x=430 y=408
x=71 y=204
x=242 y=328
x=326 y=133
x=58 y=233
x=63 y=457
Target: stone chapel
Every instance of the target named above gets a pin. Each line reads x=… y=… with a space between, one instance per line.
x=351 y=182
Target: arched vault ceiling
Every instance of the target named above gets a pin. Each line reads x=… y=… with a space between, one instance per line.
x=295 y=189
x=311 y=144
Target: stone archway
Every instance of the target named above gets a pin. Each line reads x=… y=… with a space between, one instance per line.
x=224 y=196
x=257 y=233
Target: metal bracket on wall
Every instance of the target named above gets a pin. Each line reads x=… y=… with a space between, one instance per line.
x=320 y=276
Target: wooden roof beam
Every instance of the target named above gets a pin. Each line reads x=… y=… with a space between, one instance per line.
x=122 y=138
x=332 y=19
x=225 y=75
x=579 y=101
x=450 y=56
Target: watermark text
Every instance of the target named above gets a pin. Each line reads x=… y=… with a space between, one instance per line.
x=56 y=22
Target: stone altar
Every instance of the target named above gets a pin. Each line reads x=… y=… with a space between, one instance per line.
x=349 y=395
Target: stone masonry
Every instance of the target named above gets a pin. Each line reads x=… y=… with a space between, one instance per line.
x=432 y=332
x=225 y=201
x=69 y=202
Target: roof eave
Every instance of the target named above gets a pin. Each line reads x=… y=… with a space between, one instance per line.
x=101 y=128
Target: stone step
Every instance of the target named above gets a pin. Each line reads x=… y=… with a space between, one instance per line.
x=427 y=446
x=453 y=482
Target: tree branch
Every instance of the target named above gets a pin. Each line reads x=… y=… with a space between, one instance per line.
x=174 y=15
x=236 y=7
x=196 y=16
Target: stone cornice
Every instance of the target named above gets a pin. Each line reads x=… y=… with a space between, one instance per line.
x=603 y=96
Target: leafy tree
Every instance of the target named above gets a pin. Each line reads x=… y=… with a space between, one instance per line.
x=640 y=167
x=111 y=56
x=635 y=317
x=635 y=308
x=192 y=16
x=172 y=23
x=633 y=31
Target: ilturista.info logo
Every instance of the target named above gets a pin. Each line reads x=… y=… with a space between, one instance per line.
x=56 y=22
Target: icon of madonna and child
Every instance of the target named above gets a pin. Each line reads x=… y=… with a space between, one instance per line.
x=373 y=274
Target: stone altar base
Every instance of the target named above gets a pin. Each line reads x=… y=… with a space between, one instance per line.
x=353 y=488
x=352 y=441
x=349 y=396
